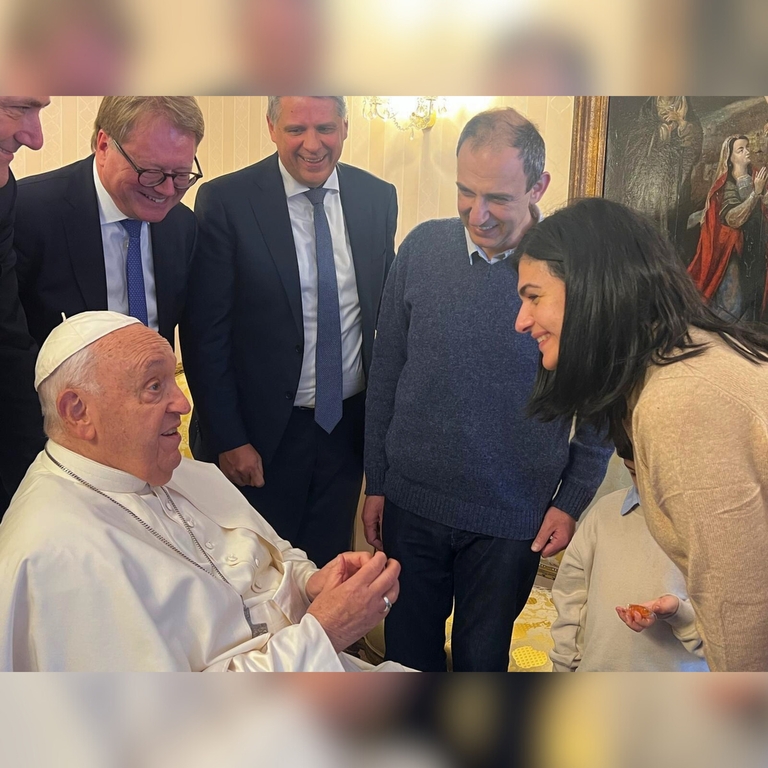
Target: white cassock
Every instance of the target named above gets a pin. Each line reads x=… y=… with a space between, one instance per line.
x=85 y=587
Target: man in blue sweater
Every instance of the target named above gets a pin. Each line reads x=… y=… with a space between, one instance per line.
x=462 y=488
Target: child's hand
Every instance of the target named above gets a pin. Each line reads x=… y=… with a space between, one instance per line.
x=637 y=617
x=643 y=615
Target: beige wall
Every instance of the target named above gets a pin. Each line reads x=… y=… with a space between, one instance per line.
x=422 y=168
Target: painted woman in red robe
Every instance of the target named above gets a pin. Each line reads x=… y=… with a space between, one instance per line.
x=729 y=267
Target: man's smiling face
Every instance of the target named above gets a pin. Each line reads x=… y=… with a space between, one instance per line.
x=19 y=127
x=153 y=143
x=309 y=134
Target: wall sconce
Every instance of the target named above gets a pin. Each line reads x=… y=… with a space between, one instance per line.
x=408 y=113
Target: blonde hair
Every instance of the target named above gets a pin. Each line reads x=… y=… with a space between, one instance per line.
x=118 y=115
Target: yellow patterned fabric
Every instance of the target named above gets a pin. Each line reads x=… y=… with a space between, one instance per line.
x=531 y=639
x=181 y=380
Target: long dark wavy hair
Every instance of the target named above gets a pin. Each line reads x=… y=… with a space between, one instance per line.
x=629 y=304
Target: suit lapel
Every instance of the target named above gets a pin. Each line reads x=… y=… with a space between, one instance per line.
x=358 y=220
x=164 y=246
x=83 y=232
x=270 y=208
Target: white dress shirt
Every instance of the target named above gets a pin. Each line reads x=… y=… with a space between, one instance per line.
x=115 y=241
x=302 y=224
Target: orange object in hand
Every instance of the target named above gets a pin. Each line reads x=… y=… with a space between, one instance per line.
x=643 y=612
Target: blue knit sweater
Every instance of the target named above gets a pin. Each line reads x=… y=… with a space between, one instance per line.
x=446 y=436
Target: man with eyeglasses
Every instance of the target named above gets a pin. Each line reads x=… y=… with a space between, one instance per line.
x=107 y=232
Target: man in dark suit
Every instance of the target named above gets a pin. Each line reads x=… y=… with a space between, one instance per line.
x=107 y=232
x=21 y=432
x=291 y=261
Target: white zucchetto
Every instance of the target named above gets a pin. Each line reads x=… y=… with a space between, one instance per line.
x=74 y=334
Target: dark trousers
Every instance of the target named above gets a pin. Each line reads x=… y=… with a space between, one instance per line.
x=312 y=485
x=486 y=580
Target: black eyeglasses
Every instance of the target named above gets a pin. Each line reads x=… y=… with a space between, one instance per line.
x=153 y=178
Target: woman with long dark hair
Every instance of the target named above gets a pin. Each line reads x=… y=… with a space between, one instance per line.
x=627 y=342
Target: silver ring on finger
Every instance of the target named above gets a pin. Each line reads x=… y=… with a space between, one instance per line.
x=387 y=605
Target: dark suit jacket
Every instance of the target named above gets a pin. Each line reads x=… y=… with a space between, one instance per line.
x=21 y=425
x=243 y=333
x=61 y=257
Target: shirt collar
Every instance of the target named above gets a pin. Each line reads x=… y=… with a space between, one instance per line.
x=631 y=500
x=109 y=213
x=473 y=249
x=476 y=250
x=294 y=188
x=98 y=475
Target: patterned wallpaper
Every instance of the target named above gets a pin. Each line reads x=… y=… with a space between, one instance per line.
x=422 y=168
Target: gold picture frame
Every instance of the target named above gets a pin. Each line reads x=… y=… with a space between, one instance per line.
x=588 y=143
x=663 y=156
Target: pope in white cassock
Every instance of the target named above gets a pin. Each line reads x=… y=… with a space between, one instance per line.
x=117 y=554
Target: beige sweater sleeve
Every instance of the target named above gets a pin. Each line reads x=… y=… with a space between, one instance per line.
x=702 y=464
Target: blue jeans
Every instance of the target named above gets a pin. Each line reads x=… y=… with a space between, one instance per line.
x=486 y=580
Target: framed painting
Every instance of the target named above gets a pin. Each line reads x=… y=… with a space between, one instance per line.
x=697 y=167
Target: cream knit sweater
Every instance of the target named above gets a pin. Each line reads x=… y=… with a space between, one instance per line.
x=613 y=560
x=700 y=434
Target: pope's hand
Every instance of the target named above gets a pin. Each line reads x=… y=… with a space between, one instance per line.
x=242 y=466
x=336 y=572
x=348 y=609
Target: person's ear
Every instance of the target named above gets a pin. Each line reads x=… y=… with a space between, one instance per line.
x=272 y=130
x=74 y=413
x=102 y=145
x=540 y=187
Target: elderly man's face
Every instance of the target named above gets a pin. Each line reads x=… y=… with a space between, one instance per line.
x=19 y=127
x=137 y=412
x=154 y=143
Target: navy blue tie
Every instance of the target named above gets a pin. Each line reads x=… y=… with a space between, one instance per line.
x=137 y=297
x=328 y=381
